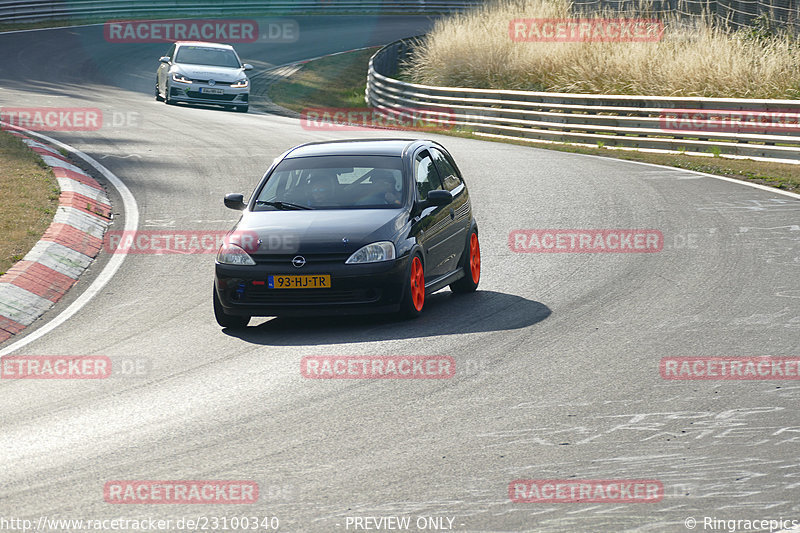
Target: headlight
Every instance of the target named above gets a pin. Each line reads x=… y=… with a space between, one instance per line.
x=241 y=84
x=180 y=77
x=373 y=253
x=230 y=254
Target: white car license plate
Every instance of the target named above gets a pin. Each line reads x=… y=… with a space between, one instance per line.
x=208 y=90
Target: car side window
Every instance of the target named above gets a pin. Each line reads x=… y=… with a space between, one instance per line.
x=171 y=53
x=425 y=175
x=446 y=170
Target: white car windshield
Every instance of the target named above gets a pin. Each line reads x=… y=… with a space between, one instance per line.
x=203 y=55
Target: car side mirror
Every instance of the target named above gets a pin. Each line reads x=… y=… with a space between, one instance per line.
x=436 y=198
x=164 y=59
x=247 y=66
x=439 y=198
x=234 y=201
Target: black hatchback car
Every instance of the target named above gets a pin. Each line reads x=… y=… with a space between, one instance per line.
x=348 y=227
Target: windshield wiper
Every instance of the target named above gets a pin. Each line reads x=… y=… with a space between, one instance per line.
x=283 y=205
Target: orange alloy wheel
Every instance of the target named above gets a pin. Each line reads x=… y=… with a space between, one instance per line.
x=475 y=258
x=417 y=284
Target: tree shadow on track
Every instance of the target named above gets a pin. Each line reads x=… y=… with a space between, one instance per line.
x=445 y=314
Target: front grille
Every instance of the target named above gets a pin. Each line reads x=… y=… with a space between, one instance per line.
x=310 y=296
x=284 y=260
x=216 y=83
x=204 y=96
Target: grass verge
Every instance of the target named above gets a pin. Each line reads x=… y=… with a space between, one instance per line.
x=333 y=81
x=310 y=87
x=28 y=202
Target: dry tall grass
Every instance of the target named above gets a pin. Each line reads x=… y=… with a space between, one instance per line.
x=474 y=49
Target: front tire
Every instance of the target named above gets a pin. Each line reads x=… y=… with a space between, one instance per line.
x=167 y=99
x=414 y=297
x=158 y=93
x=471 y=263
x=226 y=320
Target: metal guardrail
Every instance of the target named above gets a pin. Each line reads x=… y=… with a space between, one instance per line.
x=768 y=129
x=47 y=10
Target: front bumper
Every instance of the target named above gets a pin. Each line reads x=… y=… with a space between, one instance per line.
x=193 y=93
x=355 y=289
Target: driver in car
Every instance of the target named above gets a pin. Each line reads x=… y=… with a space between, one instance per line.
x=385 y=181
x=321 y=186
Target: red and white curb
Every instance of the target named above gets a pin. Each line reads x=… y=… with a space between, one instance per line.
x=74 y=238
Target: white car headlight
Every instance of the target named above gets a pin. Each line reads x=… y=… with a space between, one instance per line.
x=373 y=253
x=241 y=84
x=180 y=78
x=230 y=254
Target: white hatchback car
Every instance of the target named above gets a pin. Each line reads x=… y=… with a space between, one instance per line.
x=203 y=73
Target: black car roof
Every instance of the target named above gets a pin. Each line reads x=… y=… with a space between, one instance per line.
x=388 y=147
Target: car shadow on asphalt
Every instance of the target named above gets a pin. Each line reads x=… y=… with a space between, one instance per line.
x=445 y=313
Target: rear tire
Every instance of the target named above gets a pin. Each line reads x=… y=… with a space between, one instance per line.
x=228 y=321
x=471 y=264
x=414 y=296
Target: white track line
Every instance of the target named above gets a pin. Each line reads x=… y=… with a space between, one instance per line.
x=617 y=160
x=723 y=178
x=131 y=224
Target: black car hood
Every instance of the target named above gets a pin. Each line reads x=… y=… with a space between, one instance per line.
x=321 y=231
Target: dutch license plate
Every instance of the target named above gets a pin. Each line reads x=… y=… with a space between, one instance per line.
x=207 y=90
x=319 y=281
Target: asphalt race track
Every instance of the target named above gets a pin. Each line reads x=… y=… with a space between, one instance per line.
x=557 y=354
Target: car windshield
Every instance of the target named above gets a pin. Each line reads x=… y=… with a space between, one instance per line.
x=204 y=55
x=335 y=182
